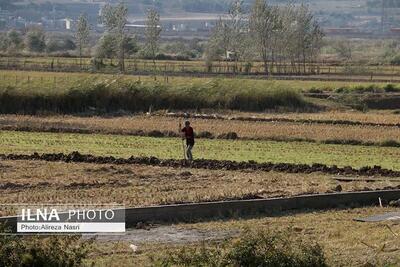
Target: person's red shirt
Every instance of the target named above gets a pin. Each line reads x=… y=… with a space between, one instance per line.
x=189 y=133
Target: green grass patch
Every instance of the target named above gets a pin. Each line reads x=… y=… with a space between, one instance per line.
x=239 y=150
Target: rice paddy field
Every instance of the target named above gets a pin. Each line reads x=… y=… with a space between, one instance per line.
x=335 y=136
x=171 y=148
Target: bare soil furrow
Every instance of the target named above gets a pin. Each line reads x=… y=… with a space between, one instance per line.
x=76 y=157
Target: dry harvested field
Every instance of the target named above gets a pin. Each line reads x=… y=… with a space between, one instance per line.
x=134 y=125
x=139 y=185
x=345 y=242
x=378 y=116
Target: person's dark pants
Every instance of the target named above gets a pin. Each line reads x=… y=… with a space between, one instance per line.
x=189 y=147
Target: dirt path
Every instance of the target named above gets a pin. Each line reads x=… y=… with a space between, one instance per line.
x=168 y=234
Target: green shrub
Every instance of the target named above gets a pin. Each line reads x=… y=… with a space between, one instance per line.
x=42 y=251
x=255 y=100
x=252 y=249
x=395 y=60
x=341 y=90
x=390 y=88
x=266 y=249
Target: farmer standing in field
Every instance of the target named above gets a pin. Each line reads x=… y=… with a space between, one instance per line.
x=188 y=133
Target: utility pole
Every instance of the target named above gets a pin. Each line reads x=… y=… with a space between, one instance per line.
x=54 y=15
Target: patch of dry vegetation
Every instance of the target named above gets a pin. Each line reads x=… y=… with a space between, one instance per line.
x=388 y=117
x=245 y=129
x=344 y=241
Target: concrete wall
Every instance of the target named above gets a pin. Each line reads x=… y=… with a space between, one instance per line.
x=242 y=208
x=247 y=208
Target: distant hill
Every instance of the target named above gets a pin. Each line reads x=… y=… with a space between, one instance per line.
x=179 y=6
x=171 y=7
x=387 y=3
x=140 y=6
x=7 y=4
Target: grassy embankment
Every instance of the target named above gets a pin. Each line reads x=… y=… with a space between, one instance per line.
x=104 y=94
x=33 y=93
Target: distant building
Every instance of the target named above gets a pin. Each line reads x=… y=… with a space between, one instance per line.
x=231 y=56
x=341 y=30
x=5 y=16
x=68 y=24
x=395 y=31
x=137 y=28
x=17 y=23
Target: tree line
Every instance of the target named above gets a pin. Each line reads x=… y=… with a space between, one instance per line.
x=276 y=35
x=286 y=39
x=116 y=42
